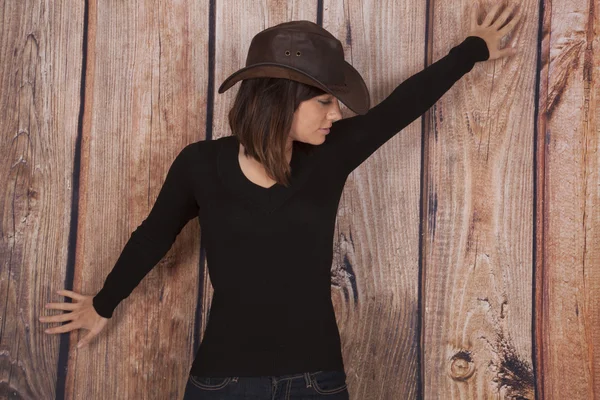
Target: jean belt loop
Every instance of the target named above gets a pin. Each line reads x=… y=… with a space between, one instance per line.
x=307 y=379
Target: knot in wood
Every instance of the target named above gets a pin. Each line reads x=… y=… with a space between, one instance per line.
x=462 y=366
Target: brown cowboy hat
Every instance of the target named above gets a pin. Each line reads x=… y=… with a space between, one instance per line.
x=305 y=52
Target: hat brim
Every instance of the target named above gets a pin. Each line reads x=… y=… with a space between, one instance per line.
x=354 y=93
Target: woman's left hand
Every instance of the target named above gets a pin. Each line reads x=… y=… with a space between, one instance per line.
x=82 y=315
x=491 y=32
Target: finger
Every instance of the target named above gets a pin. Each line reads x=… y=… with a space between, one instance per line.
x=507 y=52
x=488 y=19
x=510 y=25
x=71 y=294
x=84 y=342
x=502 y=18
x=474 y=10
x=64 y=328
x=58 y=318
x=62 y=306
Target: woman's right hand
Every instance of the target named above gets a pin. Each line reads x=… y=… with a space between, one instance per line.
x=83 y=315
x=491 y=32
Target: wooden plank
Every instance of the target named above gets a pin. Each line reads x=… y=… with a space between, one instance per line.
x=478 y=201
x=144 y=96
x=146 y=73
x=40 y=52
x=376 y=269
x=568 y=224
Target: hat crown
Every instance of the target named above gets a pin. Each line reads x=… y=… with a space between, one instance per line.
x=299 y=44
x=305 y=52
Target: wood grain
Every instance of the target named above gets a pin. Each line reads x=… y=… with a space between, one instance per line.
x=376 y=259
x=144 y=100
x=479 y=207
x=40 y=69
x=568 y=210
x=467 y=248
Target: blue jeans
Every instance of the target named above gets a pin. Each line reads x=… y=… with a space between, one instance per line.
x=319 y=385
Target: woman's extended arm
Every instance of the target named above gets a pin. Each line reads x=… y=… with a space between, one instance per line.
x=174 y=207
x=150 y=241
x=354 y=139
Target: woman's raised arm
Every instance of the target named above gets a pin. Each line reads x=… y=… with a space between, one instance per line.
x=354 y=139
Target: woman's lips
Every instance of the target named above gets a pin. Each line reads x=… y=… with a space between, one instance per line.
x=324 y=130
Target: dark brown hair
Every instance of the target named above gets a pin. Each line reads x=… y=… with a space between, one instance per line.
x=261 y=119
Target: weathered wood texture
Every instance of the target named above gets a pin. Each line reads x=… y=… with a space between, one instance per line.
x=467 y=258
x=40 y=77
x=567 y=262
x=144 y=100
x=478 y=202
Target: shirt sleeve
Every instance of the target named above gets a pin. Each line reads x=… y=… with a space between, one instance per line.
x=355 y=138
x=150 y=241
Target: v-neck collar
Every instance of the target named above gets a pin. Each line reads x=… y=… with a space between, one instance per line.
x=266 y=199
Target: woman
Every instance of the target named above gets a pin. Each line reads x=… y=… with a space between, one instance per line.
x=267 y=200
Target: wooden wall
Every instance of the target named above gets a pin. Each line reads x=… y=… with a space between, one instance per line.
x=468 y=247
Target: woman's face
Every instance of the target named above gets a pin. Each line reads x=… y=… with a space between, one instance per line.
x=312 y=115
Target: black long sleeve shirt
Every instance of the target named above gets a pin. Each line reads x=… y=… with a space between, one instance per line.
x=269 y=250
